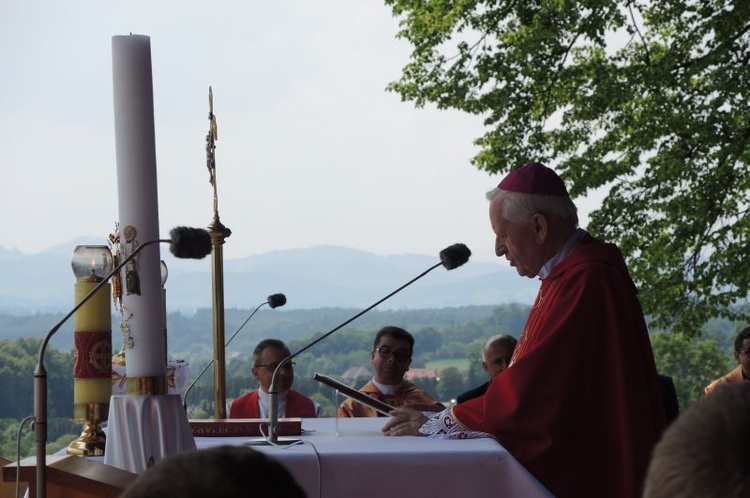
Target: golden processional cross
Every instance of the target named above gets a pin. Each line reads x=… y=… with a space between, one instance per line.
x=218 y=234
x=211 y=137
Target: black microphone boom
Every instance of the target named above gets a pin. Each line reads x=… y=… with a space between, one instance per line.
x=451 y=258
x=184 y=243
x=273 y=301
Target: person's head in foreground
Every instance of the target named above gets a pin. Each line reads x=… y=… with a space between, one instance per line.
x=705 y=453
x=222 y=471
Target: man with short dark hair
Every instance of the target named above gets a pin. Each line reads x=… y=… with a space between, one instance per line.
x=742 y=357
x=391 y=357
x=267 y=355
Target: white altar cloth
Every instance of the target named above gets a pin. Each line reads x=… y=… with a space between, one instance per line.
x=143 y=429
x=360 y=462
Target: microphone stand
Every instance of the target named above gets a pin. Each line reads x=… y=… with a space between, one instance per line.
x=40 y=377
x=208 y=365
x=273 y=402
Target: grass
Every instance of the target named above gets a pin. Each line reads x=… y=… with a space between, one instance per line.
x=439 y=365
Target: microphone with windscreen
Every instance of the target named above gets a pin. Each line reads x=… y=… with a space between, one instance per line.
x=189 y=243
x=454 y=256
x=273 y=301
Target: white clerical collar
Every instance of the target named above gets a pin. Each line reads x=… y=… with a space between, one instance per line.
x=570 y=244
x=264 y=395
x=263 y=403
x=387 y=389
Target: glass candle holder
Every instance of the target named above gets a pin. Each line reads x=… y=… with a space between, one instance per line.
x=92 y=263
x=92 y=372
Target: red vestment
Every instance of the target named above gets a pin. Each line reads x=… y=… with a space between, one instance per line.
x=580 y=405
x=297 y=405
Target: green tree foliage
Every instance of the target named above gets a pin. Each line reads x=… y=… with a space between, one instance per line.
x=17 y=364
x=430 y=385
x=692 y=364
x=451 y=384
x=476 y=374
x=428 y=339
x=645 y=101
x=18 y=361
x=9 y=439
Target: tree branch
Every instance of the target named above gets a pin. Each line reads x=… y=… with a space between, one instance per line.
x=640 y=35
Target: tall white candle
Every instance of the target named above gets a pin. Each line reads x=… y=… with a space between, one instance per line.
x=138 y=201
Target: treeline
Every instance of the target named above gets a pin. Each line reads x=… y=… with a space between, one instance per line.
x=692 y=363
x=440 y=333
x=190 y=336
x=449 y=333
x=455 y=334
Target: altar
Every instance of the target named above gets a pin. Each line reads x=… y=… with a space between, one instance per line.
x=344 y=457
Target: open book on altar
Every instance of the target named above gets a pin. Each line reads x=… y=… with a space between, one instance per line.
x=359 y=397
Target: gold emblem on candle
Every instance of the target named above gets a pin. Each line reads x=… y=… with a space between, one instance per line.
x=132 y=279
x=116 y=281
x=100 y=357
x=127 y=339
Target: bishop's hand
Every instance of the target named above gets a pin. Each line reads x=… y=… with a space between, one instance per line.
x=404 y=421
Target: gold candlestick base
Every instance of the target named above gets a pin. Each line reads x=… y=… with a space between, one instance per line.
x=91 y=442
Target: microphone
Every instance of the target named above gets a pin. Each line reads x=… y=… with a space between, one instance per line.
x=454 y=256
x=273 y=301
x=184 y=242
x=189 y=243
x=451 y=258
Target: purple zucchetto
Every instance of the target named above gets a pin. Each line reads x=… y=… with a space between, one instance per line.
x=534 y=178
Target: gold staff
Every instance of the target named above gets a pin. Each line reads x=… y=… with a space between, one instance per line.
x=218 y=233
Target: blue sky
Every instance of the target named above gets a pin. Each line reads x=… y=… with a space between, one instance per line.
x=312 y=149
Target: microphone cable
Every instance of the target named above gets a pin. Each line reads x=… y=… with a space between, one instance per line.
x=18 y=454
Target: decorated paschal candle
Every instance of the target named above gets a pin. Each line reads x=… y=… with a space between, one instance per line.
x=135 y=151
x=92 y=379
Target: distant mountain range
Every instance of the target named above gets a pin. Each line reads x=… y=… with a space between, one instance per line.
x=315 y=277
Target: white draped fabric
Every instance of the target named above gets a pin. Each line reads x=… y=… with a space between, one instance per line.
x=145 y=428
x=350 y=457
x=335 y=458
